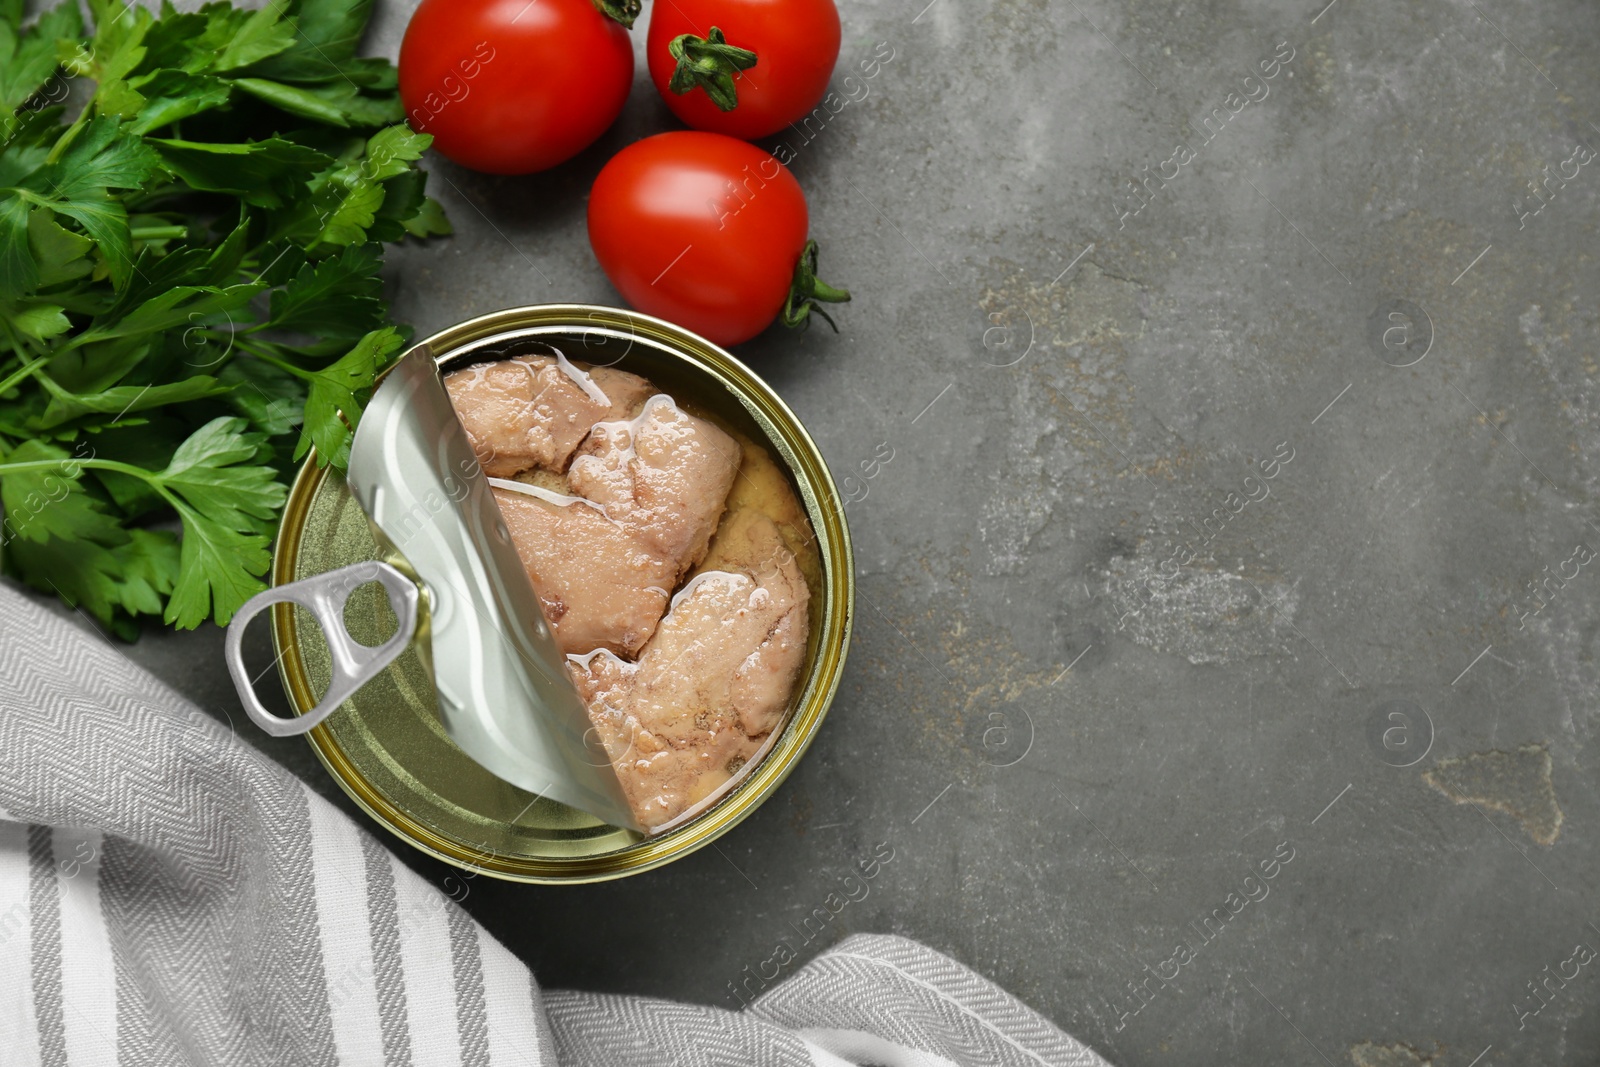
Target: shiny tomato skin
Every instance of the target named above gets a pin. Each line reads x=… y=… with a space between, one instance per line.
x=796 y=44
x=513 y=86
x=701 y=230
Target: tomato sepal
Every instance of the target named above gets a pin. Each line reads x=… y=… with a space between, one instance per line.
x=708 y=63
x=620 y=11
x=808 y=293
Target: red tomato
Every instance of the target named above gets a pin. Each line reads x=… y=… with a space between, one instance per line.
x=707 y=232
x=513 y=86
x=796 y=43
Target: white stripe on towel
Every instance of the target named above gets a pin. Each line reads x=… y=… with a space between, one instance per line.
x=510 y=1004
x=19 y=1026
x=341 y=878
x=429 y=974
x=88 y=980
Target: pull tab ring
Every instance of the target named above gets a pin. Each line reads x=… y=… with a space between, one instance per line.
x=354 y=664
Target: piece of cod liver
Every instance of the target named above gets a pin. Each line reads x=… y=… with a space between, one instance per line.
x=603 y=563
x=749 y=543
x=598 y=585
x=664 y=475
x=532 y=411
x=716 y=676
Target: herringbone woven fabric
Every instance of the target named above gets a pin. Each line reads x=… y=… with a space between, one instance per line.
x=169 y=897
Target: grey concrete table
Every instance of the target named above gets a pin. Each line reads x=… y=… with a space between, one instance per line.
x=1241 y=507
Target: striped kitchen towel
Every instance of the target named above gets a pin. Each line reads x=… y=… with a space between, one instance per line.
x=168 y=896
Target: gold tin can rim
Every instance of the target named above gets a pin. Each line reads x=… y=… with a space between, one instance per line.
x=824 y=509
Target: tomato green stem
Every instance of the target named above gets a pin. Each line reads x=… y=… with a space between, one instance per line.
x=808 y=293
x=709 y=63
x=621 y=11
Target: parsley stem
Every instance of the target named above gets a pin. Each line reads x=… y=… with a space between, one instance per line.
x=21 y=343
x=22 y=372
x=71 y=134
x=159 y=233
x=267 y=357
x=149 y=477
x=141 y=201
x=95 y=464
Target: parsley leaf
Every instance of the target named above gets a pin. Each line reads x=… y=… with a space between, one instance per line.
x=101 y=158
x=81 y=572
x=389 y=151
x=207 y=470
x=117 y=49
x=27 y=63
x=39 y=321
x=61 y=254
x=173 y=95
x=350 y=210
x=47 y=498
x=218 y=570
x=225 y=500
x=148 y=570
x=19 y=268
x=333 y=298
x=79 y=185
x=122 y=399
x=325 y=48
x=190 y=287
x=333 y=404
x=266 y=172
x=244 y=37
x=429 y=221
x=336 y=104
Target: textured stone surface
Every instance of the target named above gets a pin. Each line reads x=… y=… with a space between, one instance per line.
x=1517 y=783
x=1235 y=673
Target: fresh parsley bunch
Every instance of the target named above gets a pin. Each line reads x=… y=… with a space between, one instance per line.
x=189 y=287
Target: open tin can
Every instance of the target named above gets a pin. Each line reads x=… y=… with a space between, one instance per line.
x=386 y=746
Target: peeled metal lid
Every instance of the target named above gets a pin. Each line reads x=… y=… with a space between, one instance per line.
x=503 y=694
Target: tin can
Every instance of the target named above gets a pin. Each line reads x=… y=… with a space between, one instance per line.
x=386 y=747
